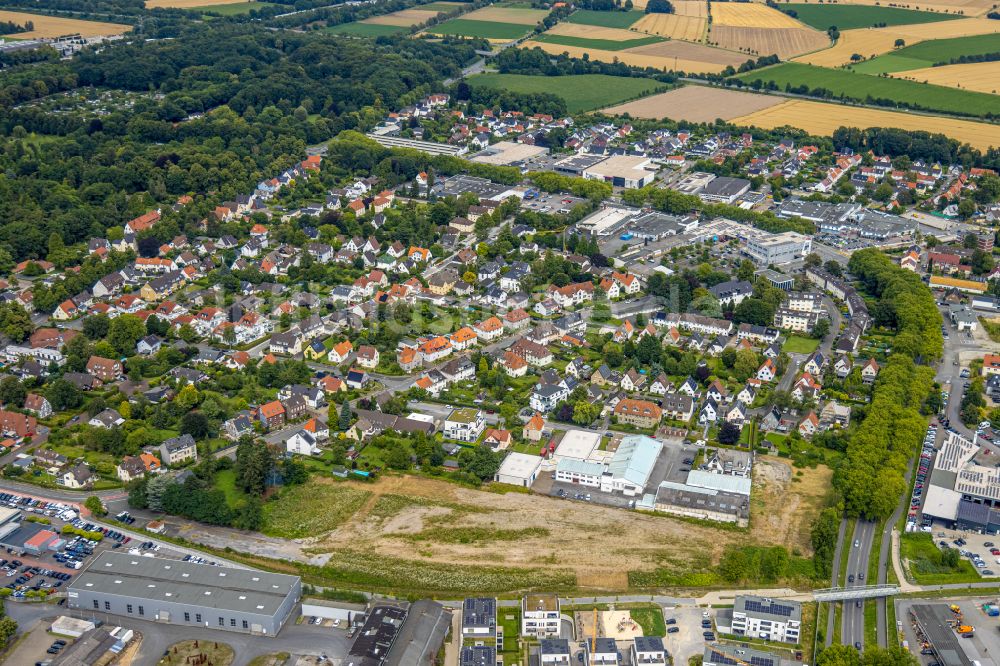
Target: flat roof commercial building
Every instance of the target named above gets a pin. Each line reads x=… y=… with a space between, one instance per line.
x=429 y=147
x=782 y=248
x=724 y=189
x=508 y=153
x=519 y=469
x=185 y=593
x=626 y=171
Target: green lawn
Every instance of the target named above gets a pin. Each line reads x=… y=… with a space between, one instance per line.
x=437 y=7
x=366 y=29
x=796 y=77
x=225 y=480
x=650 y=619
x=582 y=92
x=796 y=344
x=605 y=19
x=606 y=44
x=484 y=29
x=930 y=53
x=847 y=17
x=237 y=8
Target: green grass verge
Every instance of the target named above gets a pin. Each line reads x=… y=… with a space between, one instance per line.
x=484 y=29
x=650 y=619
x=796 y=344
x=871 y=623
x=847 y=84
x=237 y=9
x=225 y=480
x=847 y=17
x=605 y=44
x=582 y=92
x=845 y=552
x=930 y=53
x=605 y=19
x=366 y=30
x=926 y=566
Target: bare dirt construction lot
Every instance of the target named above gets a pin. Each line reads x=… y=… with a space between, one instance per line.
x=697 y=104
x=980 y=76
x=412 y=521
x=56 y=26
x=785 y=42
x=871 y=42
x=674 y=26
x=785 y=500
x=822 y=119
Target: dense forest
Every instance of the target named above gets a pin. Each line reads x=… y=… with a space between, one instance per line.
x=234 y=103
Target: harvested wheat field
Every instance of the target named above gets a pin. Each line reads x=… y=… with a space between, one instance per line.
x=822 y=119
x=785 y=42
x=749 y=15
x=411 y=524
x=696 y=8
x=696 y=104
x=674 y=26
x=980 y=76
x=871 y=42
x=969 y=8
x=188 y=4
x=404 y=17
x=585 y=31
x=507 y=15
x=56 y=26
x=678 y=56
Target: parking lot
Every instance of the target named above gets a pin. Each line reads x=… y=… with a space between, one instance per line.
x=944 y=646
x=551 y=203
x=977 y=548
x=924 y=466
x=688 y=639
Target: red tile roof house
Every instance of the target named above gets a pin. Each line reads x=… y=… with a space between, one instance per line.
x=105 y=369
x=16 y=425
x=272 y=414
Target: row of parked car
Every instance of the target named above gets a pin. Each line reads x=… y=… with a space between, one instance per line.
x=125 y=517
x=41 y=507
x=923 y=471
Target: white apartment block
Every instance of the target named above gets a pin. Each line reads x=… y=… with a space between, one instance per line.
x=770 y=619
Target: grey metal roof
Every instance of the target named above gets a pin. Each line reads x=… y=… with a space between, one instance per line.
x=243 y=590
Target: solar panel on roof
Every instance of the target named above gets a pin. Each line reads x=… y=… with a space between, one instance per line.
x=774 y=609
x=761 y=661
x=720 y=658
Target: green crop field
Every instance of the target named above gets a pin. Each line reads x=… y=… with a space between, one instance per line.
x=847 y=17
x=582 y=92
x=437 y=7
x=605 y=19
x=366 y=29
x=237 y=8
x=851 y=85
x=605 y=44
x=483 y=29
x=930 y=53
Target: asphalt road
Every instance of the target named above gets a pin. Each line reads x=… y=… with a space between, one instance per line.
x=853 y=630
x=882 y=631
x=835 y=578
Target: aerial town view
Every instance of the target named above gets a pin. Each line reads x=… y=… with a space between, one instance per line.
x=499 y=333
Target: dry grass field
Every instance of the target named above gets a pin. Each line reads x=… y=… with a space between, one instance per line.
x=674 y=26
x=696 y=104
x=507 y=15
x=56 y=26
x=821 y=118
x=980 y=76
x=870 y=42
x=749 y=15
x=965 y=7
x=423 y=521
x=786 y=42
x=680 y=56
x=404 y=17
x=585 y=31
x=188 y=4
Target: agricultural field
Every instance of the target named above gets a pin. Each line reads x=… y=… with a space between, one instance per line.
x=873 y=42
x=365 y=29
x=981 y=77
x=57 y=26
x=861 y=86
x=960 y=7
x=929 y=53
x=583 y=92
x=784 y=42
x=670 y=55
x=821 y=118
x=604 y=19
x=631 y=40
x=847 y=17
x=237 y=8
x=696 y=8
x=696 y=104
x=485 y=29
x=674 y=26
x=191 y=4
x=409 y=17
x=516 y=15
x=750 y=15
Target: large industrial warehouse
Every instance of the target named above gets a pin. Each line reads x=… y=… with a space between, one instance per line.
x=185 y=593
